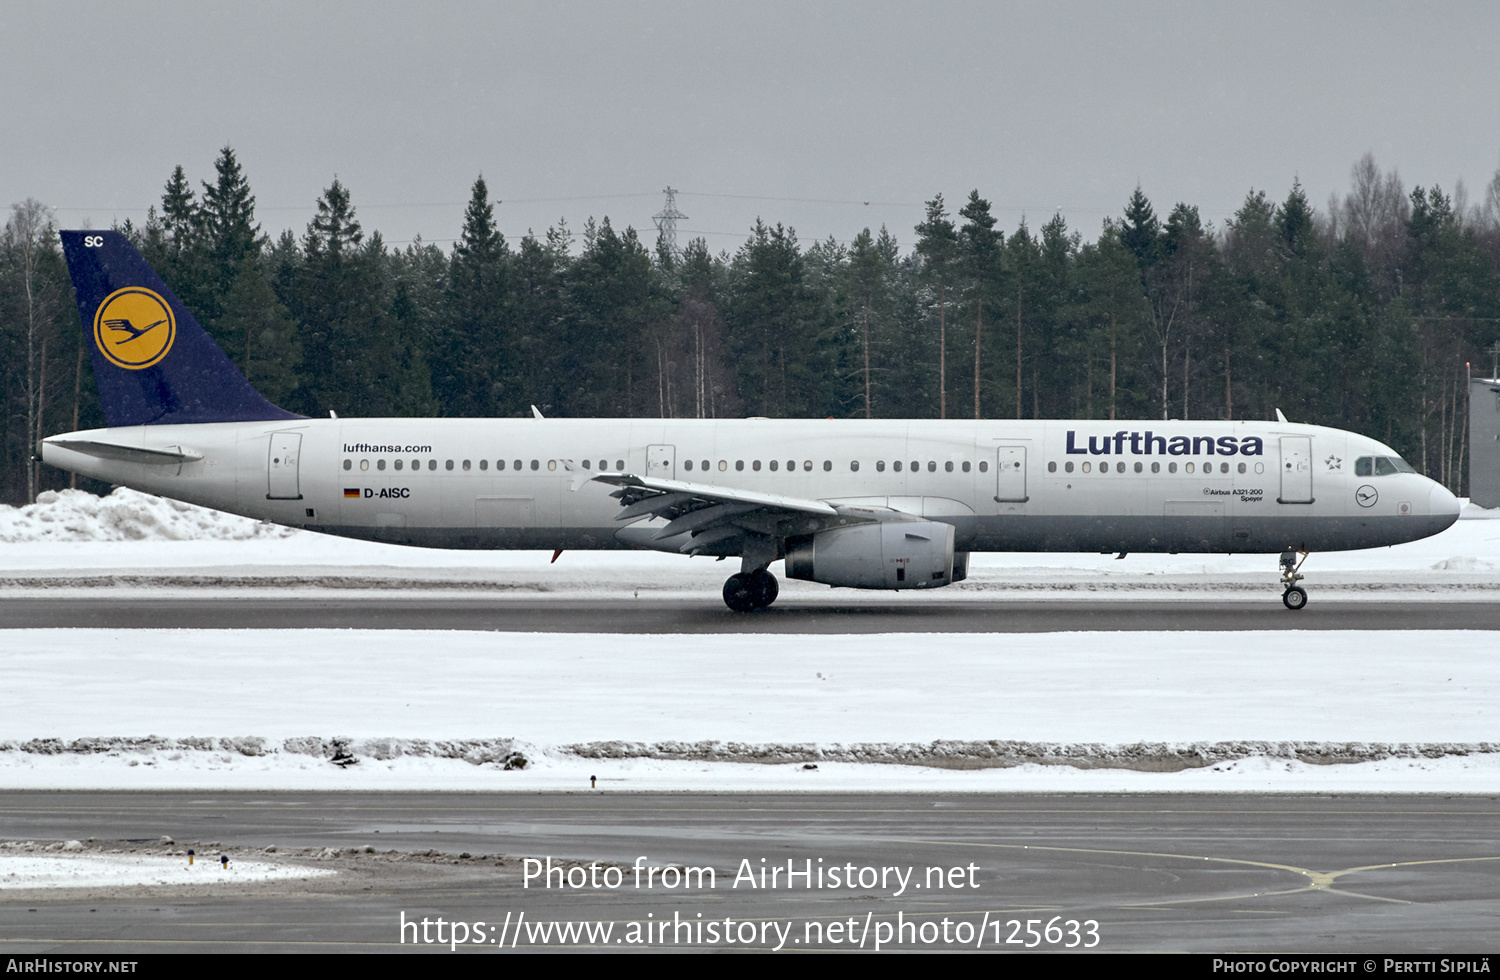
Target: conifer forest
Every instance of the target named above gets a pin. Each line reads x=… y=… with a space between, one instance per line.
x=1367 y=313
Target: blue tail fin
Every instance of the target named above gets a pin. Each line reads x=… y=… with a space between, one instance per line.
x=154 y=363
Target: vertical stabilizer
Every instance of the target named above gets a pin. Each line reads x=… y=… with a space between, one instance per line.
x=154 y=363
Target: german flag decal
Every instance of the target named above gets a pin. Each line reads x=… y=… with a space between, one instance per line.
x=351 y=494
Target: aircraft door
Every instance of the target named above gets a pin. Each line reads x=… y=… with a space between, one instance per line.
x=282 y=462
x=1296 y=470
x=1010 y=475
x=661 y=462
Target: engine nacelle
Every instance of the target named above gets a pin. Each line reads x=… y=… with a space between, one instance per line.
x=890 y=555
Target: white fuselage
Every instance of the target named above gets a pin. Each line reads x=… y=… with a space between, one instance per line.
x=1005 y=486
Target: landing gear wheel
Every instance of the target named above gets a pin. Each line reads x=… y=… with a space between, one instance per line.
x=740 y=593
x=750 y=590
x=765 y=587
x=1294 y=597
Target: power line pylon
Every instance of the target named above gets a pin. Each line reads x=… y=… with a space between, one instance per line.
x=666 y=221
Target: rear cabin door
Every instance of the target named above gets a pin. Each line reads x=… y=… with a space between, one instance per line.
x=282 y=465
x=1296 y=470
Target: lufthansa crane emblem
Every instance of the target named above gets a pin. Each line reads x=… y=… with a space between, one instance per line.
x=134 y=328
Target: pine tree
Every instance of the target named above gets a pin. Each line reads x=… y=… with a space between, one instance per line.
x=981 y=251
x=1141 y=231
x=473 y=360
x=938 y=245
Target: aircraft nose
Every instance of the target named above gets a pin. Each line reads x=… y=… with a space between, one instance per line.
x=1442 y=506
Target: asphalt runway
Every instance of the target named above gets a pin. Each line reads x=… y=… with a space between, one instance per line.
x=1159 y=873
x=708 y=615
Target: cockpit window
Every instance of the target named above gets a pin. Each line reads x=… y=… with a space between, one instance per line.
x=1381 y=466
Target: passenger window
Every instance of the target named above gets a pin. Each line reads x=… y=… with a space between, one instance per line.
x=932 y=466
x=380 y=464
x=880 y=466
x=966 y=466
x=948 y=466
x=1242 y=467
x=807 y=466
x=1052 y=466
x=1139 y=467
x=687 y=464
x=448 y=465
x=755 y=466
x=1223 y=467
x=551 y=464
x=774 y=465
x=1155 y=467
x=604 y=465
x=517 y=464
x=619 y=464
x=1068 y=466
x=984 y=466
x=791 y=464
x=723 y=465
x=827 y=466
x=466 y=465
x=853 y=466
x=1171 y=467
x=586 y=464
x=916 y=466
x=499 y=464
x=432 y=464
x=739 y=465
x=364 y=464
x=484 y=464
x=535 y=465
x=896 y=466
x=398 y=464
x=1187 y=467
x=704 y=467
x=1086 y=466
x=348 y=464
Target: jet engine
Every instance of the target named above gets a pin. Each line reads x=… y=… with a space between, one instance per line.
x=889 y=555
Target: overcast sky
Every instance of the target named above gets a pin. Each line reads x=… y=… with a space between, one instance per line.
x=799 y=113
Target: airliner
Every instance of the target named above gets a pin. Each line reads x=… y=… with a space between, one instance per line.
x=860 y=504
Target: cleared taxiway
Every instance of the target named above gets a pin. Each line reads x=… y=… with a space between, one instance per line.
x=1196 y=873
x=707 y=614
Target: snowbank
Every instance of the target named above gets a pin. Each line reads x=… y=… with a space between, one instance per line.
x=125 y=515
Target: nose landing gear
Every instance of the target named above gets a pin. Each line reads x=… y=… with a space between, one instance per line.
x=750 y=590
x=1293 y=596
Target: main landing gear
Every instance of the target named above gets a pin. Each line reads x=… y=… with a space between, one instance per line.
x=750 y=590
x=1293 y=596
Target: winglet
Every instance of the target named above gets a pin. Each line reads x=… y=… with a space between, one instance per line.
x=536 y=413
x=1280 y=417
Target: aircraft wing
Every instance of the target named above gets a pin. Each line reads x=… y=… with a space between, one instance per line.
x=726 y=520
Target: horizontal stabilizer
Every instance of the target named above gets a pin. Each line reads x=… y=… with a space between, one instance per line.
x=128 y=454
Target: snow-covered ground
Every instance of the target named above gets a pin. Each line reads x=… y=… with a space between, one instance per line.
x=408 y=709
x=1306 y=711
x=24 y=865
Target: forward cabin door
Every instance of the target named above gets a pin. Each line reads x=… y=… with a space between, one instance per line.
x=282 y=465
x=661 y=462
x=1296 y=470
x=1010 y=475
